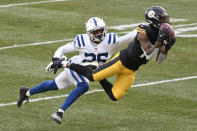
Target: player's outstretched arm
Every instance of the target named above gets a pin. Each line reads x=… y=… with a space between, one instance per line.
x=163 y=50
x=126 y=39
x=151 y=50
x=59 y=55
x=64 y=50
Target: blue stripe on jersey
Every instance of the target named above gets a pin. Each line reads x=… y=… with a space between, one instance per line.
x=78 y=41
x=83 y=43
x=95 y=21
x=73 y=75
x=114 y=40
x=81 y=77
x=109 y=41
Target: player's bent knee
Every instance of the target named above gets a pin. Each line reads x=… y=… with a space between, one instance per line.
x=84 y=86
x=118 y=95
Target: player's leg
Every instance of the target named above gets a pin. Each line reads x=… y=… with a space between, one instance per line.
x=111 y=68
x=82 y=86
x=43 y=87
x=107 y=86
x=58 y=83
x=123 y=83
x=108 y=69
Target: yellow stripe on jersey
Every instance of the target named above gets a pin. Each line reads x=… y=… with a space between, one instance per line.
x=142 y=31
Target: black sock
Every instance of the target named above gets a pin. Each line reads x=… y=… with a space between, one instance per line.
x=107 y=86
x=82 y=70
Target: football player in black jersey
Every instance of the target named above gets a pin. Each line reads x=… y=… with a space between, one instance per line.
x=124 y=65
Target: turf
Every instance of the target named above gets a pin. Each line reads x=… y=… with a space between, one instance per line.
x=164 y=107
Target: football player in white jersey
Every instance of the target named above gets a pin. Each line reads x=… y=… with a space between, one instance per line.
x=95 y=46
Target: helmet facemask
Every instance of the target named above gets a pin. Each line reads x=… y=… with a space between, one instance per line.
x=97 y=35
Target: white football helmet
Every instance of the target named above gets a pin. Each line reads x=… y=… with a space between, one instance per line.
x=96 y=29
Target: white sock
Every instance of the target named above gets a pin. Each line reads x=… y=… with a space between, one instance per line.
x=60 y=110
x=28 y=93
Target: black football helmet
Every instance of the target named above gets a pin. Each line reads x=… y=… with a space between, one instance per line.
x=156 y=15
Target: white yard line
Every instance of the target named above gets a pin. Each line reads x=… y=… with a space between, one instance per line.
x=120 y=27
x=187 y=36
x=30 y=3
x=184 y=25
x=123 y=27
x=99 y=90
x=37 y=43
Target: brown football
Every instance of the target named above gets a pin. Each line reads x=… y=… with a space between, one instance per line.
x=169 y=27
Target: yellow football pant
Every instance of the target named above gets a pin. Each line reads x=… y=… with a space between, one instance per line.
x=124 y=76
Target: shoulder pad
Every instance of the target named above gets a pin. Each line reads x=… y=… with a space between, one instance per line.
x=142 y=28
x=79 y=41
x=112 y=38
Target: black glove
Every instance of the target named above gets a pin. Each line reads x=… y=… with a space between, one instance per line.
x=170 y=43
x=57 y=63
x=163 y=35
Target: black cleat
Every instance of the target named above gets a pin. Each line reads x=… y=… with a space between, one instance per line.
x=22 y=96
x=57 y=116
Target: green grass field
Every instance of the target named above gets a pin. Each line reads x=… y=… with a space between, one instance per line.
x=170 y=106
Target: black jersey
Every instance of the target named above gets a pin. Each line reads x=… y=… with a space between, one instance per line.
x=133 y=56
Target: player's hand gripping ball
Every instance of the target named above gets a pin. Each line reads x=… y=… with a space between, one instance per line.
x=169 y=27
x=171 y=35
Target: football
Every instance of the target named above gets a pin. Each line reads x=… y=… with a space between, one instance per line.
x=169 y=27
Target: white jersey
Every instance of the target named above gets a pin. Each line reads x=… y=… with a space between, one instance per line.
x=88 y=52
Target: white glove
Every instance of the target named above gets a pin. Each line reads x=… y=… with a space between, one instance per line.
x=65 y=58
x=48 y=68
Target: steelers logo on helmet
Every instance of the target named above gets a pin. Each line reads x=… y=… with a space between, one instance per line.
x=151 y=14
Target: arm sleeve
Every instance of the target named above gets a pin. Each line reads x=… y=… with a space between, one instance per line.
x=126 y=39
x=149 y=57
x=65 y=49
x=161 y=57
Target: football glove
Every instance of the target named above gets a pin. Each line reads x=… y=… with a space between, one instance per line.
x=57 y=63
x=163 y=35
x=49 y=68
x=170 y=43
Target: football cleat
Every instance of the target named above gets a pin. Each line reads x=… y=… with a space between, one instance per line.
x=57 y=116
x=22 y=96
